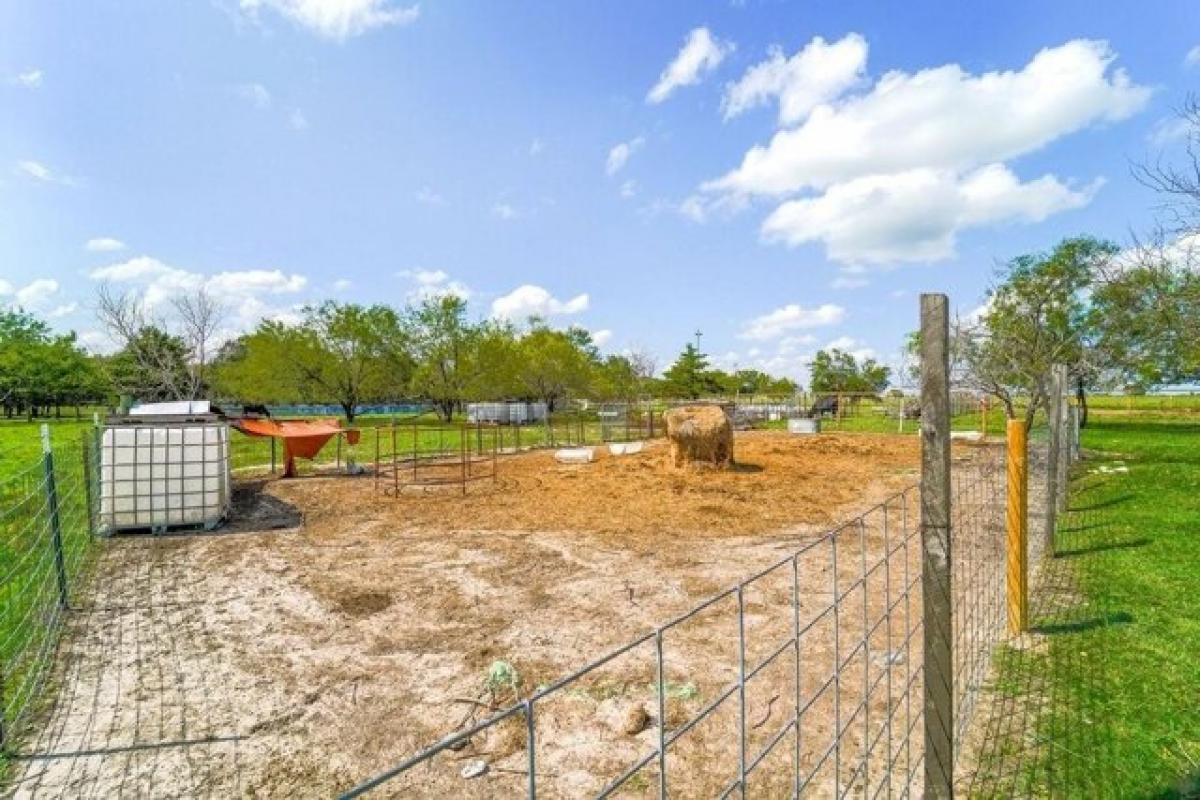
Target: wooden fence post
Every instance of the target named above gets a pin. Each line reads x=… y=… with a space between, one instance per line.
x=935 y=547
x=1017 y=519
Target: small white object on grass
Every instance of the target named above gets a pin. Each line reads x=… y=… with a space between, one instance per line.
x=473 y=769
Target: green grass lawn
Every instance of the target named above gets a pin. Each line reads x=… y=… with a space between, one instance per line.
x=31 y=613
x=1111 y=692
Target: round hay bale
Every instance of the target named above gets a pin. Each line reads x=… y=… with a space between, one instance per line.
x=699 y=436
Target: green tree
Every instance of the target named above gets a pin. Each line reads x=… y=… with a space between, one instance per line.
x=40 y=370
x=444 y=348
x=835 y=371
x=1036 y=316
x=344 y=353
x=689 y=377
x=1145 y=317
x=553 y=365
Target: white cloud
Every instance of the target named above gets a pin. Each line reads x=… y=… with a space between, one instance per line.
x=534 y=301
x=255 y=94
x=159 y=282
x=536 y=146
x=845 y=281
x=619 y=155
x=698 y=208
x=6 y=288
x=33 y=295
x=427 y=196
x=103 y=244
x=505 y=211
x=29 y=79
x=978 y=313
x=819 y=73
x=1193 y=57
x=341 y=285
x=701 y=53
x=297 y=121
x=36 y=170
x=431 y=283
x=254 y=281
x=602 y=337
x=915 y=215
x=790 y=358
x=135 y=269
x=628 y=189
x=337 y=19
x=942 y=118
x=694 y=208
x=789 y=318
x=64 y=310
x=848 y=344
x=97 y=342
x=1168 y=130
x=40 y=172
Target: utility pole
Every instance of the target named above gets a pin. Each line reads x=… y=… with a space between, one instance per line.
x=699 y=333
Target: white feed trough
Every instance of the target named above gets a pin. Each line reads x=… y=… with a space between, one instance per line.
x=625 y=448
x=804 y=426
x=574 y=455
x=967 y=436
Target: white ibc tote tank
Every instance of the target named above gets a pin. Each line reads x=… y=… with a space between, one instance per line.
x=164 y=470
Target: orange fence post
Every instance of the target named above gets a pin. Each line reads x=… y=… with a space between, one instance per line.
x=1017 y=519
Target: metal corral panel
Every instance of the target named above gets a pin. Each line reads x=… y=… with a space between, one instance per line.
x=524 y=413
x=495 y=413
x=161 y=475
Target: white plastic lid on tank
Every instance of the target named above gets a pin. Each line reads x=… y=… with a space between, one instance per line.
x=172 y=407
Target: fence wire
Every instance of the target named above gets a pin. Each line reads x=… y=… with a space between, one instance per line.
x=46 y=509
x=804 y=678
x=832 y=633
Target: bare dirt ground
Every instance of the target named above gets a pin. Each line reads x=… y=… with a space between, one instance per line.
x=334 y=631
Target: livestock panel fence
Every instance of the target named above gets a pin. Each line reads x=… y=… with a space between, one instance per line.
x=47 y=516
x=849 y=667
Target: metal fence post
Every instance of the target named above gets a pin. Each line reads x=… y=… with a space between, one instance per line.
x=60 y=566
x=1017 y=520
x=88 y=477
x=1075 y=445
x=935 y=546
x=1053 y=412
x=1064 y=439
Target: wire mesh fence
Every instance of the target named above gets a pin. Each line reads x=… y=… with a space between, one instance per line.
x=807 y=677
x=815 y=665
x=47 y=507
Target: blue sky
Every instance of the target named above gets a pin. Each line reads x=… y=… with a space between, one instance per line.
x=592 y=162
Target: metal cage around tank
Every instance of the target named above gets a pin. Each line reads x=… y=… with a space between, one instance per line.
x=163 y=471
x=424 y=456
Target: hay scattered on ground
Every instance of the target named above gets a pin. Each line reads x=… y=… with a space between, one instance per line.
x=779 y=480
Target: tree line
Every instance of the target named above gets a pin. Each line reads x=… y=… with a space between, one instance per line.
x=342 y=353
